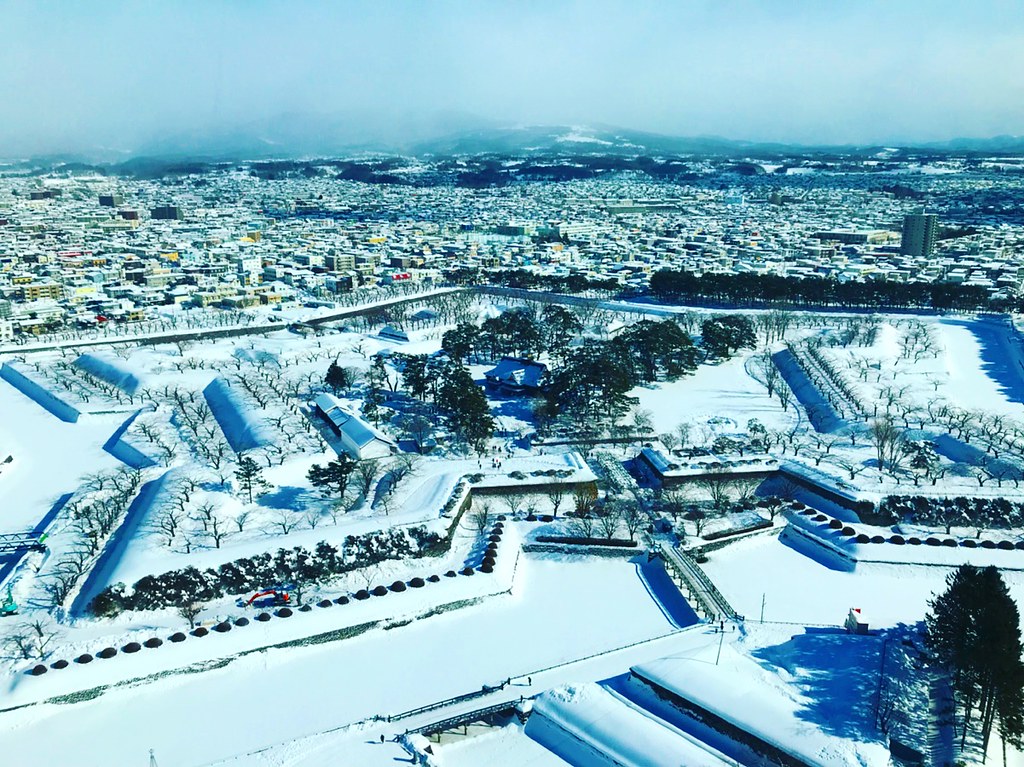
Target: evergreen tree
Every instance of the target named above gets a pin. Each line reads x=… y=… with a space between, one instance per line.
x=465 y=407
x=334 y=475
x=415 y=375
x=722 y=336
x=461 y=341
x=249 y=476
x=371 y=404
x=973 y=632
x=337 y=378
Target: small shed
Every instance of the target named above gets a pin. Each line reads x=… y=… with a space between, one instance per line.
x=856 y=621
x=390 y=333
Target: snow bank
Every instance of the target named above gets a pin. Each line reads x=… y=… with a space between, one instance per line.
x=666 y=594
x=237 y=419
x=109 y=369
x=758 y=701
x=22 y=379
x=588 y=725
x=123 y=450
x=117 y=546
x=821 y=414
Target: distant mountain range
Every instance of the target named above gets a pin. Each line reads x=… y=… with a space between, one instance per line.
x=293 y=136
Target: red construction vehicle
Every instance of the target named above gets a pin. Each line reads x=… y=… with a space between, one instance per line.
x=266 y=598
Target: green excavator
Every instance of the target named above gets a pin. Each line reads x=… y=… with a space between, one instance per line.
x=9 y=606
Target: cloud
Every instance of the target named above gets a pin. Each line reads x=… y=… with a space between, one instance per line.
x=123 y=74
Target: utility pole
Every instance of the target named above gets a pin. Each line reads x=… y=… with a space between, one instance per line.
x=763 y=595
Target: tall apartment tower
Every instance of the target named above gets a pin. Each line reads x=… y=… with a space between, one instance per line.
x=920 y=231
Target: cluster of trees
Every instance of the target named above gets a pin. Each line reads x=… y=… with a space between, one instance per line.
x=521 y=278
x=721 y=336
x=978 y=513
x=973 y=633
x=768 y=289
x=516 y=332
x=606 y=519
x=92 y=517
x=722 y=493
x=590 y=388
x=297 y=567
x=444 y=387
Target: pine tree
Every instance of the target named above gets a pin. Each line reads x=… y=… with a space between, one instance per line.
x=249 y=475
x=465 y=407
x=973 y=631
x=414 y=374
x=337 y=378
x=335 y=475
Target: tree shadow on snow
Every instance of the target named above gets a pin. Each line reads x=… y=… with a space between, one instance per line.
x=838 y=675
x=286 y=497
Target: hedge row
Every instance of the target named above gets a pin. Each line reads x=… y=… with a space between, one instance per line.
x=296 y=565
x=571 y=540
x=486 y=566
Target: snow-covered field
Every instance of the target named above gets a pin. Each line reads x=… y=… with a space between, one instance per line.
x=557 y=612
x=713 y=391
x=559 y=628
x=800 y=585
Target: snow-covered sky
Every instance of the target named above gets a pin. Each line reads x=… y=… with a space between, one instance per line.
x=122 y=73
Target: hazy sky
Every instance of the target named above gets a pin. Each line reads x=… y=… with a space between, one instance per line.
x=121 y=73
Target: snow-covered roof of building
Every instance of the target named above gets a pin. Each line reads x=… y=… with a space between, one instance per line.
x=351 y=425
x=517 y=372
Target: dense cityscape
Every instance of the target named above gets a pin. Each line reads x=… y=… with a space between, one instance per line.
x=80 y=249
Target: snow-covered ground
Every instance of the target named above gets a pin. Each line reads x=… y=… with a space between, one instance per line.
x=558 y=612
x=800 y=585
x=50 y=457
x=724 y=389
x=561 y=626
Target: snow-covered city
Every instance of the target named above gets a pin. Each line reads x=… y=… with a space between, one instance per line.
x=606 y=384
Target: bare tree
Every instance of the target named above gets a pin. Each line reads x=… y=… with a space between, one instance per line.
x=481 y=516
x=189 y=611
x=582 y=527
x=241 y=519
x=889 y=441
x=217 y=530
x=404 y=466
x=513 y=502
x=608 y=522
x=19 y=643
x=674 y=501
x=669 y=440
x=167 y=523
x=365 y=473
x=784 y=393
x=634 y=518
x=556 y=494
x=718 y=484
x=285 y=521
x=313 y=517
x=584 y=499
x=43 y=634
x=643 y=422
x=683 y=430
